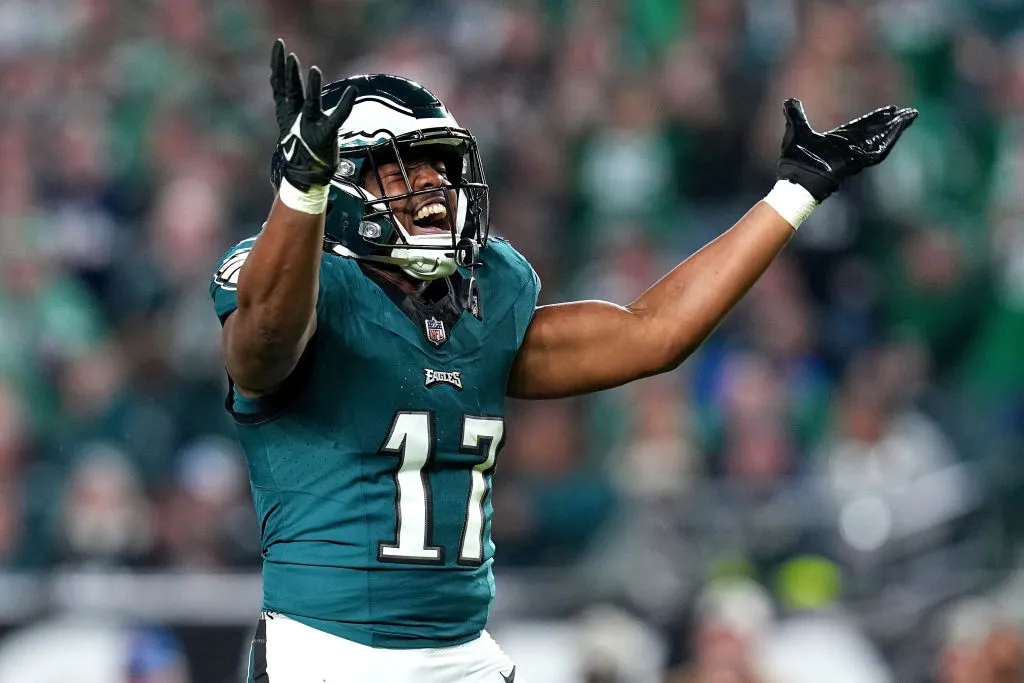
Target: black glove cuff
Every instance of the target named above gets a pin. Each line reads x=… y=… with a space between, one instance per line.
x=819 y=184
x=304 y=179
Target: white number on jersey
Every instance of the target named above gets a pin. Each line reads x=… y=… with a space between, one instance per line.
x=412 y=439
x=479 y=435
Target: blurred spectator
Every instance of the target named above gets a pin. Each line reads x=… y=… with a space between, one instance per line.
x=615 y=647
x=731 y=619
x=92 y=650
x=553 y=506
x=206 y=520
x=154 y=656
x=979 y=646
x=105 y=518
x=888 y=467
x=809 y=648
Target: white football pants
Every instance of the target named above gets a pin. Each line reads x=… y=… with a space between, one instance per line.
x=296 y=653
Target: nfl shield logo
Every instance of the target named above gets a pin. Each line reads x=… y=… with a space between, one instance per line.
x=435 y=331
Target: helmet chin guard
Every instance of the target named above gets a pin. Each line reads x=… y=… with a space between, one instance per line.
x=425 y=264
x=427 y=257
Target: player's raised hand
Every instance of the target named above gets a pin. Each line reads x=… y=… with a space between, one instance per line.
x=820 y=162
x=307 y=149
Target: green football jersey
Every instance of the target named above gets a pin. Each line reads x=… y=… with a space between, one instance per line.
x=371 y=467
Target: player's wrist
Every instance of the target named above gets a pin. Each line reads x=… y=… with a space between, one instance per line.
x=313 y=201
x=791 y=201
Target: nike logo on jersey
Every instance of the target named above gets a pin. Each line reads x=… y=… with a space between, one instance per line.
x=432 y=377
x=510 y=677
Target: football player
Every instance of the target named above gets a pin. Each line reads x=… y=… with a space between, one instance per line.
x=371 y=333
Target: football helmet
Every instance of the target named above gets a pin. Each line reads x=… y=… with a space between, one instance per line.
x=392 y=119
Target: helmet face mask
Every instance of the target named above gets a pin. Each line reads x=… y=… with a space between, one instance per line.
x=395 y=121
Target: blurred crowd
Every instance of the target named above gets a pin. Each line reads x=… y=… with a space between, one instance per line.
x=843 y=452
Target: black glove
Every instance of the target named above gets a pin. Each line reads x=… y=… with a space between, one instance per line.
x=820 y=162
x=307 y=151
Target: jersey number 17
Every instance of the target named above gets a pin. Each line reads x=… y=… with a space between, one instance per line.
x=411 y=438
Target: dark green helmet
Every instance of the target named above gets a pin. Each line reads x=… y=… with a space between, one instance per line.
x=393 y=117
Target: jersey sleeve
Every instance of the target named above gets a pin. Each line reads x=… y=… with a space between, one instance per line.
x=526 y=304
x=224 y=292
x=224 y=286
x=528 y=290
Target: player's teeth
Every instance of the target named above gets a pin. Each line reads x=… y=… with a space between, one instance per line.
x=430 y=210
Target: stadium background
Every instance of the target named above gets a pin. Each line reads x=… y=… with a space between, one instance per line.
x=831 y=489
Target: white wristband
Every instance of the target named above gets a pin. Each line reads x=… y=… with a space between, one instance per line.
x=791 y=201
x=313 y=202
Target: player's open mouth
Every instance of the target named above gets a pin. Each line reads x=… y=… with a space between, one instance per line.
x=431 y=216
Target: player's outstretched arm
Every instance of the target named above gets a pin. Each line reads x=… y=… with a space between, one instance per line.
x=586 y=346
x=265 y=336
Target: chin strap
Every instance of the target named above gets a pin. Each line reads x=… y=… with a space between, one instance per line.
x=471 y=296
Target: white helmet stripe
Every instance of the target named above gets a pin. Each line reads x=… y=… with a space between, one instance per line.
x=386 y=102
x=370 y=118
